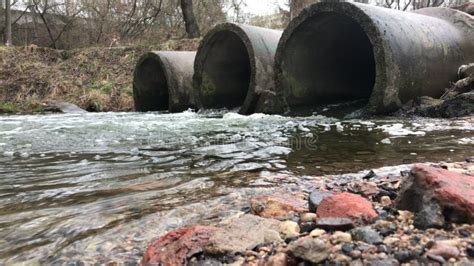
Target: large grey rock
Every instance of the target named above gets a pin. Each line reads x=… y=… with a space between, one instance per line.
x=240 y=234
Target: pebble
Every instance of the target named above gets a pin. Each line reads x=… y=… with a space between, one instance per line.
x=403 y=256
x=289 y=229
x=385 y=228
x=335 y=223
x=436 y=258
x=342 y=259
x=340 y=237
x=464 y=233
x=405 y=216
x=367 y=235
x=347 y=248
x=307 y=227
x=385 y=201
x=309 y=249
x=317 y=233
x=355 y=254
x=444 y=250
x=308 y=217
x=470 y=252
x=278 y=259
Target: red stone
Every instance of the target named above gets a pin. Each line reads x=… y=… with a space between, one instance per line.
x=450 y=189
x=278 y=206
x=347 y=205
x=177 y=246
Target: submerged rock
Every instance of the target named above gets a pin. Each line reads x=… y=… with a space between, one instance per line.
x=176 y=247
x=278 y=206
x=240 y=234
x=428 y=191
x=347 y=205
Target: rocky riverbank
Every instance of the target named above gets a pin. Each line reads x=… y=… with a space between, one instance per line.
x=423 y=216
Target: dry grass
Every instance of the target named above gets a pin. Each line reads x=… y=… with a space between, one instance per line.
x=96 y=79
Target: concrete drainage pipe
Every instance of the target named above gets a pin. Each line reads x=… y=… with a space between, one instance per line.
x=234 y=67
x=163 y=81
x=334 y=52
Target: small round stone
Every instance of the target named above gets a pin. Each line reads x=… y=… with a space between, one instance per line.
x=385 y=201
x=317 y=233
x=340 y=237
x=289 y=229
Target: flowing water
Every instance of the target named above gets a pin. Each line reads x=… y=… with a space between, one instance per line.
x=99 y=187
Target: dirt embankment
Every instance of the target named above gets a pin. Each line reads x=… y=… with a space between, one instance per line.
x=95 y=79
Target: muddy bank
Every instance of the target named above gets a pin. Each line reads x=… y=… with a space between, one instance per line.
x=422 y=215
x=95 y=79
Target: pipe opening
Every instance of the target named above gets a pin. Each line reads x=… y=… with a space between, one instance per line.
x=226 y=72
x=328 y=59
x=151 y=86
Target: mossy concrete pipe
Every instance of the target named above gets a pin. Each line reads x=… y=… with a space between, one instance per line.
x=234 y=67
x=163 y=81
x=335 y=52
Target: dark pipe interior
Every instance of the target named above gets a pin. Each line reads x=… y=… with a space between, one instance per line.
x=226 y=72
x=152 y=94
x=328 y=59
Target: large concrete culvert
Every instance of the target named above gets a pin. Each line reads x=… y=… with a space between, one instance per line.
x=336 y=52
x=163 y=82
x=234 y=66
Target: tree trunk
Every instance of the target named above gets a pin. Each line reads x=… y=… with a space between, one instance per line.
x=192 y=27
x=8 y=23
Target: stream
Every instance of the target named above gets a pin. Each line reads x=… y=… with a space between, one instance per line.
x=98 y=187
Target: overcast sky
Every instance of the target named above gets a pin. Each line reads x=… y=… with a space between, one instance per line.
x=263 y=7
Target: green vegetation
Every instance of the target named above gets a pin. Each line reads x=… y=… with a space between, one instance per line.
x=95 y=79
x=8 y=107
